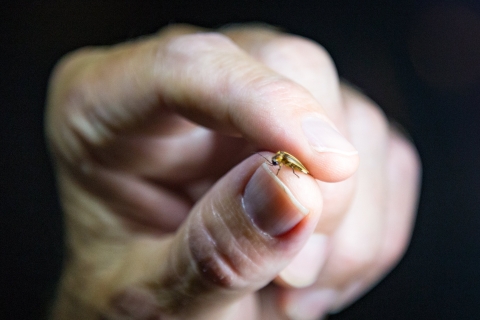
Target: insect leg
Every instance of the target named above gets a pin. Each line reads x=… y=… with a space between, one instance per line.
x=293 y=170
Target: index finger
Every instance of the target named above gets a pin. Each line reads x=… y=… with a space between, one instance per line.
x=208 y=79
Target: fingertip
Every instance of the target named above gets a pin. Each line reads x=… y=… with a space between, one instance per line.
x=273 y=211
x=288 y=193
x=335 y=157
x=332 y=167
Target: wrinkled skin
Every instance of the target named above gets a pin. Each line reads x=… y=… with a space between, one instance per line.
x=169 y=212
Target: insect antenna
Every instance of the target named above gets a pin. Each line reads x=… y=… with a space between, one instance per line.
x=268 y=161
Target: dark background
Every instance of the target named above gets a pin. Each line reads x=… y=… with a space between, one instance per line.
x=419 y=60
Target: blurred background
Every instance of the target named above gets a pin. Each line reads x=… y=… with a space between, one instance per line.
x=419 y=60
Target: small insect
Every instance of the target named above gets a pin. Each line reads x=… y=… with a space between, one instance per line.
x=284 y=158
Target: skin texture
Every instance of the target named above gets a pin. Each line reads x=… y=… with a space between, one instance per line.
x=169 y=212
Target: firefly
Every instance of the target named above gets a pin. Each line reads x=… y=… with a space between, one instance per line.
x=284 y=158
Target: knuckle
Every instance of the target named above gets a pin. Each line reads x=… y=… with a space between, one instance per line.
x=214 y=271
x=65 y=75
x=74 y=78
x=191 y=45
x=278 y=90
x=274 y=88
x=69 y=88
x=76 y=108
x=297 y=49
x=217 y=263
x=376 y=119
x=67 y=63
x=368 y=119
x=308 y=64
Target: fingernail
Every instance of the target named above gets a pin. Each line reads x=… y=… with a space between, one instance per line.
x=305 y=267
x=311 y=305
x=323 y=137
x=270 y=203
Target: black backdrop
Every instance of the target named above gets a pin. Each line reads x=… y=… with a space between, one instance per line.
x=419 y=60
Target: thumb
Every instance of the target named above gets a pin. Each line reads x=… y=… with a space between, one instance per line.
x=236 y=240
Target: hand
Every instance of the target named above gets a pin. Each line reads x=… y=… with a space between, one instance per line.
x=169 y=215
